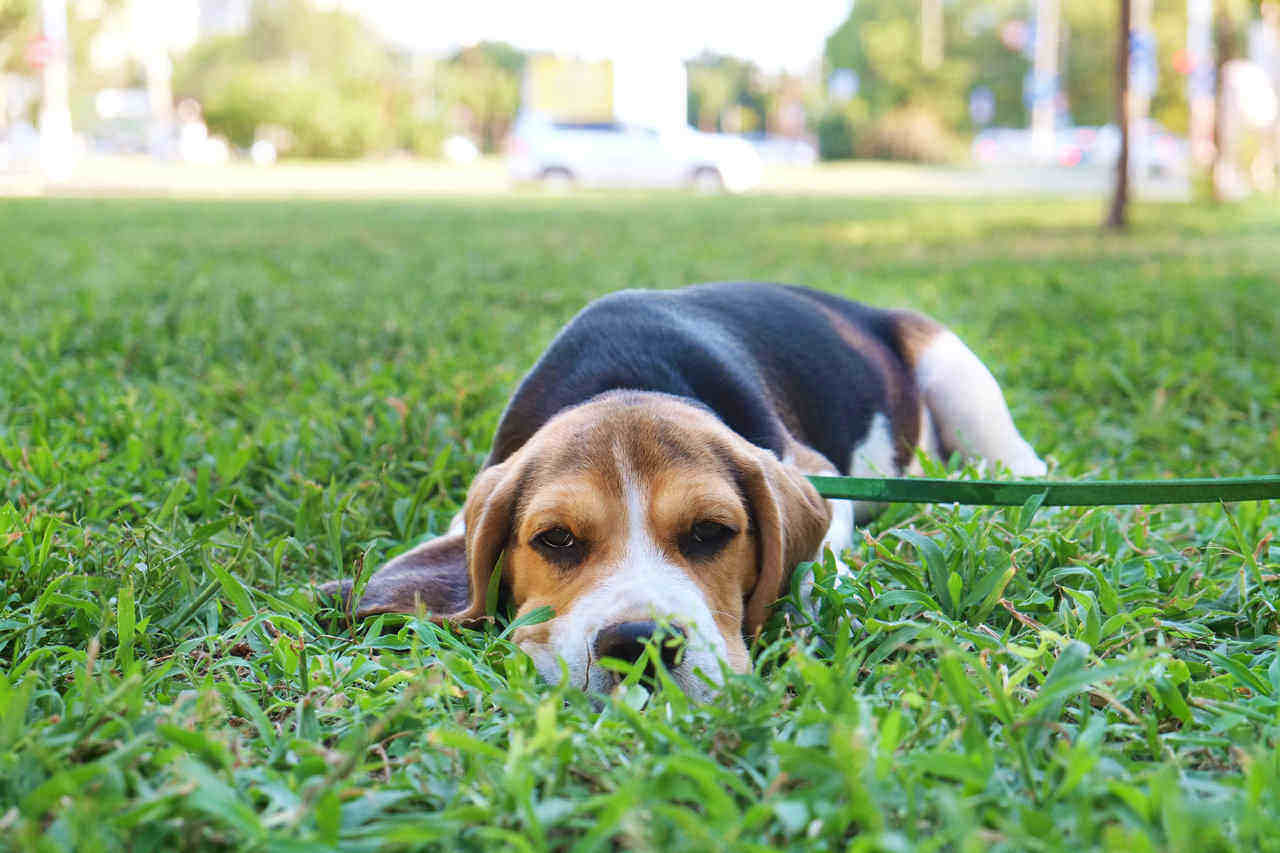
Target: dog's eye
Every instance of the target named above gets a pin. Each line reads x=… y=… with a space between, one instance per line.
x=557 y=538
x=707 y=532
x=705 y=539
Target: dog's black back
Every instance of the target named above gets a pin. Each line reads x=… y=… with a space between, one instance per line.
x=768 y=359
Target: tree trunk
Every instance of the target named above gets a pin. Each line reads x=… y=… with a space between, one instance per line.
x=1226 y=48
x=1117 y=218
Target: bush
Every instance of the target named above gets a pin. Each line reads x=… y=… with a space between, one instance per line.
x=323 y=119
x=421 y=137
x=835 y=136
x=908 y=133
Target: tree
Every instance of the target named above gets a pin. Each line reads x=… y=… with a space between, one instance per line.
x=721 y=85
x=481 y=86
x=988 y=45
x=883 y=42
x=17 y=26
x=325 y=83
x=1230 y=17
x=1117 y=216
x=321 y=77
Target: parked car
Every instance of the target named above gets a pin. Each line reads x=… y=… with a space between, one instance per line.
x=563 y=154
x=1005 y=146
x=20 y=147
x=1163 y=152
x=783 y=150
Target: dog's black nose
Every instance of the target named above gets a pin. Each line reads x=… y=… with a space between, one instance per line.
x=626 y=641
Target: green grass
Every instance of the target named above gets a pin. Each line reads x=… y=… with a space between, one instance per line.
x=207 y=408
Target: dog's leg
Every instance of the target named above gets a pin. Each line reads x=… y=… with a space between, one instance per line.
x=839 y=535
x=967 y=408
x=875 y=456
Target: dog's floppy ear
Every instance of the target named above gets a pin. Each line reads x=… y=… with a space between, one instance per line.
x=490 y=507
x=790 y=519
x=447 y=577
x=431 y=577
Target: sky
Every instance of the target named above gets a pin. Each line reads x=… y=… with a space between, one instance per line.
x=777 y=36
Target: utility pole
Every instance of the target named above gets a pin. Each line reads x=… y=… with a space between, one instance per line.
x=153 y=51
x=1200 y=85
x=931 y=34
x=1044 y=86
x=55 y=110
x=1267 y=54
x=1142 y=83
x=1118 y=217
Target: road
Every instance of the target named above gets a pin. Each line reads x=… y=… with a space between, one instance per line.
x=141 y=176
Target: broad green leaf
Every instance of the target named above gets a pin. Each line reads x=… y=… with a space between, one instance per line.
x=935 y=565
x=1029 y=510
x=233 y=589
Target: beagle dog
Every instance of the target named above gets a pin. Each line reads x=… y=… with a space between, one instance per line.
x=647 y=481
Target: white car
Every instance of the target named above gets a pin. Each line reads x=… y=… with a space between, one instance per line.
x=563 y=154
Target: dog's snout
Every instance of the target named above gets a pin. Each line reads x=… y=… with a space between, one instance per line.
x=627 y=640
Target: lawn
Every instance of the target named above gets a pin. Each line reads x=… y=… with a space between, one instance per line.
x=206 y=408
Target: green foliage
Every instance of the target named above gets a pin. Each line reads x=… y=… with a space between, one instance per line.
x=483 y=82
x=318 y=75
x=208 y=408
x=318 y=81
x=726 y=94
x=835 y=135
x=320 y=119
x=18 y=24
x=881 y=41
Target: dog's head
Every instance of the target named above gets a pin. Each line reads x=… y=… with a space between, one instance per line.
x=629 y=516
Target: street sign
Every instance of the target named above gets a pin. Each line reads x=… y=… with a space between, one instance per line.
x=982 y=105
x=1143 y=72
x=1039 y=89
x=842 y=85
x=568 y=89
x=40 y=52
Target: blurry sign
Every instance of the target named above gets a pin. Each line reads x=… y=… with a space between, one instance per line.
x=1016 y=35
x=40 y=52
x=1202 y=82
x=842 y=85
x=982 y=105
x=1036 y=89
x=1142 y=62
x=1198 y=71
x=569 y=89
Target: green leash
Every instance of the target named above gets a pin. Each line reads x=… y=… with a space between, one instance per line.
x=1055 y=493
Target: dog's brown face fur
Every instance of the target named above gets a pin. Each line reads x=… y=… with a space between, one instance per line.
x=632 y=507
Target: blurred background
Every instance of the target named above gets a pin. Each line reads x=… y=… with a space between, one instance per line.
x=874 y=96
